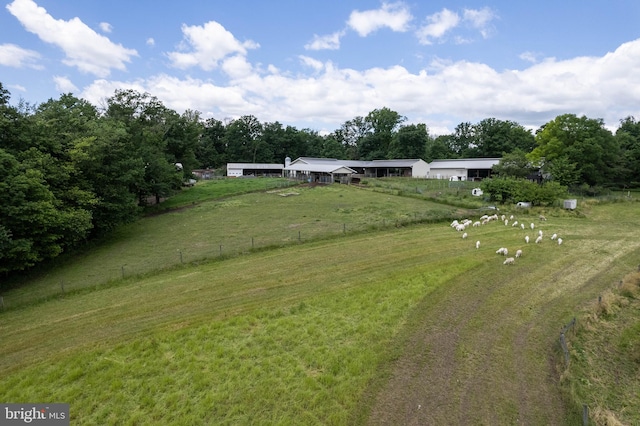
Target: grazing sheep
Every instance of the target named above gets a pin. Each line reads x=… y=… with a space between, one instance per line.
x=515 y=223
x=532 y=226
x=460 y=227
x=526 y=239
x=554 y=236
x=540 y=233
x=464 y=235
x=506 y=222
x=477 y=244
x=559 y=241
x=542 y=217
x=501 y=250
x=502 y=217
x=454 y=223
x=476 y=224
x=505 y=252
x=522 y=226
x=539 y=239
x=509 y=261
x=518 y=253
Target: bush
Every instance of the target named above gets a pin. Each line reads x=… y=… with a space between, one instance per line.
x=504 y=190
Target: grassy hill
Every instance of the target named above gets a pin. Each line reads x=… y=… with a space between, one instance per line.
x=397 y=322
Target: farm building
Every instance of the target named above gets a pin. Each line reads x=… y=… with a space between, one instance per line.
x=462 y=169
x=355 y=169
x=254 y=169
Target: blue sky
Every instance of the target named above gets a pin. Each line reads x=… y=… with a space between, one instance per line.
x=316 y=64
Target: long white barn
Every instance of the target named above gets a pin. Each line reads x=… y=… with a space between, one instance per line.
x=328 y=170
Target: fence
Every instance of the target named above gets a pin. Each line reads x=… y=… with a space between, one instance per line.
x=112 y=271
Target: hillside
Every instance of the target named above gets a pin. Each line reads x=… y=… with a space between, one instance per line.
x=407 y=324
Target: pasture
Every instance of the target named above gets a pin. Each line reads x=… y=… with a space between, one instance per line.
x=407 y=324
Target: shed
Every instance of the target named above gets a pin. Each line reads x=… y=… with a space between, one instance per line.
x=462 y=168
x=570 y=204
x=254 y=169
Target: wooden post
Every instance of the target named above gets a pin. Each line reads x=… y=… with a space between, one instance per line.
x=122 y=269
x=585 y=414
x=252 y=242
x=299 y=237
x=180 y=256
x=220 y=249
x=344 y=228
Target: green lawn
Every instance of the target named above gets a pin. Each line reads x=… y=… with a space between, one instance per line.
x=317 y=333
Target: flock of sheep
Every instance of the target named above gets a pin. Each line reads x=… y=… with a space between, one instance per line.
x=461 y=226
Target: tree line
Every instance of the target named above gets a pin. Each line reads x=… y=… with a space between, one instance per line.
x=71 y=172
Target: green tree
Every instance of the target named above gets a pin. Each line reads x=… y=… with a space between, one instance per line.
x=584 y=142
x=351 y=134
x=243 y=140
x=493 y=137
x=211 y=149
x=514 y=164
x=440 y=148
x=409 y=142
x=628 y=137
x=383 y=123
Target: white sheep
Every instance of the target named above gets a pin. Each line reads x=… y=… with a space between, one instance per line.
x=505 y=252
x=506 y=222
x=477 y=244
x=476 y=224
x=454 y=223
x=542 y=217
x=526 y=239
x=540 y=233
x=464 y=235
x=539 y=239
x=460 y=227
x=532 y=226
x=511 y=217
x=502 y=217
x=515 y=223
x=518 y=253
x=554 y=236
x=559 y=241
x=522 y=226
x=509 y=261
x=501 y=250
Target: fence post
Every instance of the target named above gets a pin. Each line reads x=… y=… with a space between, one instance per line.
x=180 y=256
x=585 y=414
x=344 y=228
x=299 y=237
x=252 y=242
x=122 y=269
x=220 y=249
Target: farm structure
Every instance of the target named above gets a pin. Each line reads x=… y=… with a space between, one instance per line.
x=254 y=169
x=462 y=169
x=333 y=170
x=330 y=170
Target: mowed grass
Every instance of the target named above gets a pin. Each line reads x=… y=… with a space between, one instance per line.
x=223 y=227
x=307 y=334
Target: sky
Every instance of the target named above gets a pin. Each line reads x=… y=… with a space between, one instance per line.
x=316 y=64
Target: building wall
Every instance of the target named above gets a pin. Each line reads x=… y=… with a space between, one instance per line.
x=421 y=170
x=234 y=172
x=447 y=173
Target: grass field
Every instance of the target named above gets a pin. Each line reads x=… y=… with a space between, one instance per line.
x=397 y=325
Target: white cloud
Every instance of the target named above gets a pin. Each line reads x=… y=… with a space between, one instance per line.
x=84 y=48
x=310 y=62
x=64 y=85
x=105 y=27
x=437 y=26
x=18 y=87
x=151 y=42
x=529 y=57
x=606 y=87
x=395 y=16
x=208 y=45
x=326 y=42
x=480 y=19
x=17 y=57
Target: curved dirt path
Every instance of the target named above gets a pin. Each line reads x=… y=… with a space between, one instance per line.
x=486 y=351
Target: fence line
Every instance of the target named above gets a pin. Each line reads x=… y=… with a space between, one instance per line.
x=214 y=250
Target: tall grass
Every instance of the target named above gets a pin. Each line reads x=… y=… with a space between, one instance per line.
x=222 y=228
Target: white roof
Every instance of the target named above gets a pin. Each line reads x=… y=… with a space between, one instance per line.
x=321 y=168
x=465 y=163
x=255 y=166
x=357 y=163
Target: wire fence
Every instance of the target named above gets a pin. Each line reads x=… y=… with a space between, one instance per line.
x=73 y=278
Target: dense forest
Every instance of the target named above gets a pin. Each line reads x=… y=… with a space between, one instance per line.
x=71 y=172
